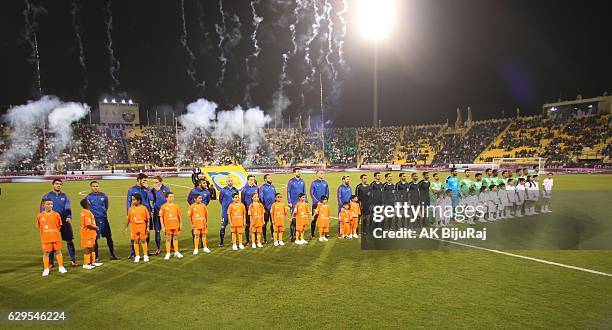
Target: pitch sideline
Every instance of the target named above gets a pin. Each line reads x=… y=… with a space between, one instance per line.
x=528 y=258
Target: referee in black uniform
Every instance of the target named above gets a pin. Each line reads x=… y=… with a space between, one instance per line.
x=364 y=194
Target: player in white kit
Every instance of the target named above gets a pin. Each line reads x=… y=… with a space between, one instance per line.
x=547 y=184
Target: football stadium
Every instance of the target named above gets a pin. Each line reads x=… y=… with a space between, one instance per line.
x=309 y=163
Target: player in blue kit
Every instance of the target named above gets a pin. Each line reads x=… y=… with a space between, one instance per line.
x=158 y=192
x=295 y=187
x=225 y=199
x=267 y=192
x=202 y=190
x=99 y=208
x=344 y=193
x=141 y=188
x=61 y=205
x=318 y=189
x=247 y=198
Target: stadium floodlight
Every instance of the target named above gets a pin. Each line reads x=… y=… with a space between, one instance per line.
x=122 y=101
x=113 y=100
x=130 y=101
x=105 y=100
x=375 y=18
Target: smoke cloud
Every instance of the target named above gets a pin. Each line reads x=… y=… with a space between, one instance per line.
x=60 y=125
x=198 y=119
x=223 y=126
x=49 y=114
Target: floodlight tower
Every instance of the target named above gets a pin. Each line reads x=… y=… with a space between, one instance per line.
x=376 y=22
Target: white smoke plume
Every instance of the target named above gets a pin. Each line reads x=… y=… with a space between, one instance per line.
x=60 y=126
x=24 y=121
x=114 y=63
x=256 y=120
x=198 y=119
x=223 y=126
x=230 y=124
x=247 y=125
x=76 y=25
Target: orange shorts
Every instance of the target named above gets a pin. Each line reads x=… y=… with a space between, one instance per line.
x=257 y=229
x=301 y=226
x=173 y=232
x=325 y=229
x=345 y=228
x=88 y=241
x=279 y=229
x=237 y=229
x=354 y=222
x=201 y=231
x=52 y=246
x=140 y=233
x=323 y=223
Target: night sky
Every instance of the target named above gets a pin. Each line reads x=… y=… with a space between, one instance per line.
x=492 y=55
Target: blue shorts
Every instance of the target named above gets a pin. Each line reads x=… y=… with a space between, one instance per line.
x=105 y=229
x=224 y=218
x=155 y=223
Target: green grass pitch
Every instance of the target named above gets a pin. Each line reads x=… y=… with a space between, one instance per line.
x=329 y=285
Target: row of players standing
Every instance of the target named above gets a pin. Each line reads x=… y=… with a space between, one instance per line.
x=369 y=194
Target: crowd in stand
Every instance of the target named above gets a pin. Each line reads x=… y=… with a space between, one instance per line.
x=458 y=148
x=294 y=145
x=155 y=145
x=414 y=140
x=377 y=145
x=199 y=151
x=34 y=163
x=561 y=141
x=263 y=156
x=341 y=145
x=91 y=149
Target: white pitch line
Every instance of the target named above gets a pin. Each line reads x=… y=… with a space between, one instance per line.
x=86 y=192
x=528 y=258
x=179 y=185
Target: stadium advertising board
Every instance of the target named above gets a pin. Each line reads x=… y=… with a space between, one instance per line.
x=117 y=113
x=218 y=174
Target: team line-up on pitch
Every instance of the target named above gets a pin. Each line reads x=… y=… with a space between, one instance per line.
x=156 y=209
x=248 y=212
